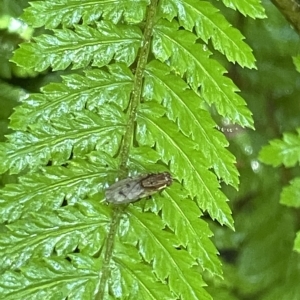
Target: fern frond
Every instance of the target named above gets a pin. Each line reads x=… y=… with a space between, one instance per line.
x=252 y=8
x=80 y=47
x=61 y=232
x=70 y=12
x=290 y=194
x=75 y=93
x=296 y=61
x=183 y=105
x=128 y=270
x=167 y=262
x=209 y=23
x=182 y=216
x=286 y=151
x=56 y=141
x=171 y=44
x=180 y=151
x=69 y=183
x=52 y=278
x=140 y=105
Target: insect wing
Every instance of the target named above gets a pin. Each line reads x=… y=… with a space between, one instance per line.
x=124 y=191
x=132 y=189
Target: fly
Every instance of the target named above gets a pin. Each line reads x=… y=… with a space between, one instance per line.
x=132 y=189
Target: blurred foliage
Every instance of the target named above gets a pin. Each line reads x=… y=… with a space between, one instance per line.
x=259 y=261
x=14 y=81
x=12 y=32
x=259 y=258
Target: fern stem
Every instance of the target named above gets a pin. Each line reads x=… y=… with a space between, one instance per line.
x=127 y=143
x=138 y=85
x=116 y=216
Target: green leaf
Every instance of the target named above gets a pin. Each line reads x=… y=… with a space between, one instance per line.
x=183 y=105
x=80 y=46
x=129 y=270
x=297 y=242
x=61 y=232
x=70 y=12
x=286 y=151
x=76 y=92
x=70 y=183
x=177 y=150
x=52 y=278
x=191 y=59
x=209 y=23
x=144 y=156
x=290 y=195
x=154 y=246
x=252 y=8
x=296 y=61
x=55 y=141
x=183 y=217
x=126 y=109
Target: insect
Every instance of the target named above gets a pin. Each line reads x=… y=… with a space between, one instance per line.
x=134 y=188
